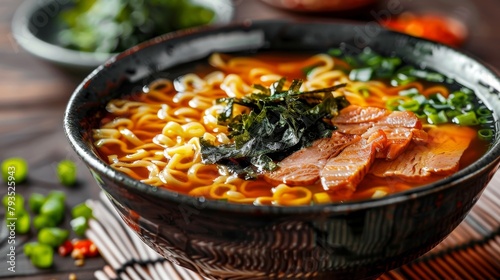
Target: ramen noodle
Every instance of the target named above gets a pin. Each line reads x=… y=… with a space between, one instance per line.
x=156 y=136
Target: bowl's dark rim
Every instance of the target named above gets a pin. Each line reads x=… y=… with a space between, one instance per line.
x=60 y=55
x=489 y=161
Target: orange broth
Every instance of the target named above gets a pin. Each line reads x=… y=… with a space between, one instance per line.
x=273 y=61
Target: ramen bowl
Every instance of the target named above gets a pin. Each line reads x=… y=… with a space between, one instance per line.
x=221 y=240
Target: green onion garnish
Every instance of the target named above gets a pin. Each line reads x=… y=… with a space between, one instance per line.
x=466 y=119
x=486 y=134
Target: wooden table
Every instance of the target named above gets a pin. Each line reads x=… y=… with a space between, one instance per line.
x=33 y=96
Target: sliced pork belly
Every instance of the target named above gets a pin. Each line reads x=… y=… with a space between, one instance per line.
x=354 y=114
x=399 y=127
x=440 y=156
x=341 y=174
x=398 y=139
x=357 y=120
x=303 y=167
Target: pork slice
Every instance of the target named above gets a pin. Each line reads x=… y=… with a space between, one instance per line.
x=394 y=119
x=398 y=140
x=354 y=114
x=341 y=174
x=303 y=167
x=440 y=156
x=400 y=119
x=358 y=128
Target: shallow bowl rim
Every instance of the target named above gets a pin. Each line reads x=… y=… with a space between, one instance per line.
x=57 y=54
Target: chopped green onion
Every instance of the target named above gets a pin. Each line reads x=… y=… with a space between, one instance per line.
x=28 y=248
x=79 y=225
x=15 y=170
x=402 y=79
x=435 y=77
x=437 y=118
x=52 y=236
x=40 y=255
x=393 y=103
x=458 y=99
x=22 y=218
x=408 y=92
x=429 y=110
x=485 y=120
x=483 y=111
x=53 y=207
x=486 y=134
x=59 y=195
x=421 y=99
x=452 y=113
x=66 y=172
x=466 y=119
x=467 y=91
x=410 y=105
x=81 y=210
x=361 y=74
x=420 y=115
x=351 y=61
x=438 y=101
x=468 y=107
x=373 y=60
x=335 y=52
x=437 y=98
x=43 y=221
x=13 y=200
x=35 y=202
x=426 y=75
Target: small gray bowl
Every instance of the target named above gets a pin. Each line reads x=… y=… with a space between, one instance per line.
x=220 y=240
x=35 y=26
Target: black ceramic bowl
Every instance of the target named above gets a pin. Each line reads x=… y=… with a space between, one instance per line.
x=220 y=240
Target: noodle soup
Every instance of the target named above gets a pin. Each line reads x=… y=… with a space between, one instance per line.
x=281 y=129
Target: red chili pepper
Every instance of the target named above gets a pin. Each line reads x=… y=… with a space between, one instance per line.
x=65 y=249
x=430 y=26
x=86 y=247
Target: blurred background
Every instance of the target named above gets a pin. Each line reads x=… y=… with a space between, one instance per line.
x=47 y=47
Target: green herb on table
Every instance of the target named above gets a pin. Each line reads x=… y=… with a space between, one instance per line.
x=35 y=202
x=108 y=26
x=54 y=207
x=15 y=211
x=66 y=172
x=43 y=221
x=14 y=170
x=277 y=122
x=52 y=236
x=81 y=213
x=40 y=255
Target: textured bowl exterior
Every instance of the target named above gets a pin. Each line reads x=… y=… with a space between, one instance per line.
x=354 y=240
x=351 y=244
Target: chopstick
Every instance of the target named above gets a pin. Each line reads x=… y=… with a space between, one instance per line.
x=144 y=252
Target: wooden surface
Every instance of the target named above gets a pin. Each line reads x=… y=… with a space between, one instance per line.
x=33 y=95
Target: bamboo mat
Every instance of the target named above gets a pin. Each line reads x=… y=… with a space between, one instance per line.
x=471 y=251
